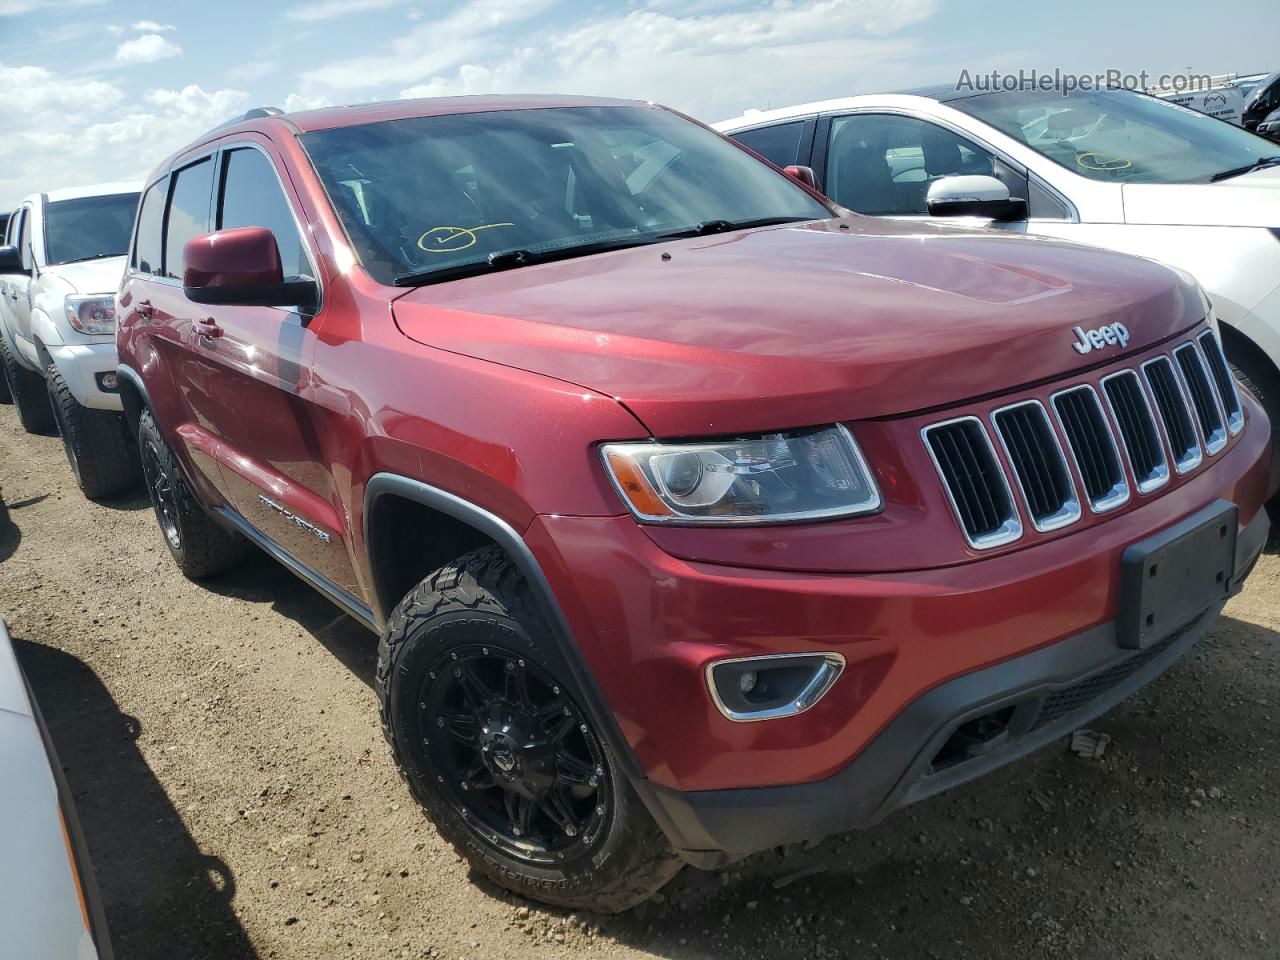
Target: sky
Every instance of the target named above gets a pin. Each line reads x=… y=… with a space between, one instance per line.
x=93 y=91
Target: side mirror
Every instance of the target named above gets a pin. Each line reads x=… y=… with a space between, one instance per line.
x=241 y=267
x=973 y=196
x=803 y=175
x=11 y=260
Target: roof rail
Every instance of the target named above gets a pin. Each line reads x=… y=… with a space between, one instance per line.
x=254 y=114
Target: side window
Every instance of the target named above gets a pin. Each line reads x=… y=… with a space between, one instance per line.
x=11 y=231
x=779 y=144
x=188 y=213
x=148 y=244
x=252 y=197
x=1043 y=205
x=883 y=164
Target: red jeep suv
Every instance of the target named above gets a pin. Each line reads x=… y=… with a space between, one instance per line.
x=696 y=515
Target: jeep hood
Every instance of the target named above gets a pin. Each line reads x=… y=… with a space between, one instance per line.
x=1250 y=200
x=791 y=326
x=91 y=276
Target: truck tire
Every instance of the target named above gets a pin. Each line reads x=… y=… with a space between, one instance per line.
x=485 y=729
x=28 y=392
x=97 y=442
x=200 y=546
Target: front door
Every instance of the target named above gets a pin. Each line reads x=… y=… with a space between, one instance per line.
x=248 y=378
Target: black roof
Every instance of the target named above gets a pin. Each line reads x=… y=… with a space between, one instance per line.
x=942 y=92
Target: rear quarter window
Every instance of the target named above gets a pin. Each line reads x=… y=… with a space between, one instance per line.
x=148 y=244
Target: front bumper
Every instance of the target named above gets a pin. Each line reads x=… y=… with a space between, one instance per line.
x=929 y=747
x=924 y=649
x=80 y=365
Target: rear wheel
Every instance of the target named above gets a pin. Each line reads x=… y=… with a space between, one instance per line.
x=97 y=442
x=200 y=546
x=28 y=392
x=488 y=733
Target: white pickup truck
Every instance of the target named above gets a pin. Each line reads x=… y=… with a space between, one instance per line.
x=59 y=270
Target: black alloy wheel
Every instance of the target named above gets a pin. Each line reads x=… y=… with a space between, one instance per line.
x=514 y=755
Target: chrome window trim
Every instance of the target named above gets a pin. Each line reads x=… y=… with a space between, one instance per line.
x=824 y=679
x=1160 y=477
x=1070 y=511
x=960 y=131
x=1011 y=529
x=1196 y=457
x=1118 y=496
x=1212 y=444
x=1235 y=421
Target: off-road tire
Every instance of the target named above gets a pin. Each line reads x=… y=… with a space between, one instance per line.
x=482 y=598
x=28 y=392
x=1260 y=379
x=99 y=449
x=5 y=395
x=202 y=546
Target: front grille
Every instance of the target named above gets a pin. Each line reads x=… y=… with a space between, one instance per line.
x=1167 y=410
x=974 y=480
x=1173 y=414
x=1137 y=425
x=1223 y=379
x=1213 y=426
x=1038 y=464
x=1094 y=449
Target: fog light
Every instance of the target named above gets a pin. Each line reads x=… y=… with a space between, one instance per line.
x=771 y=686
x=108 y=382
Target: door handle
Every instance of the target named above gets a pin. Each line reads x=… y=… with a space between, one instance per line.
x=208 y=328
x=143 y=309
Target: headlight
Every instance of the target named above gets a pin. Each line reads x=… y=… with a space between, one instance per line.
x=93 y=315
x=801 y=475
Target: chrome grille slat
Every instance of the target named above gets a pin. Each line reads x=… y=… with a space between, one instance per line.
x=1165 y=406
x=1223 y=380
x=1039 y=466
x=1092 y=445
x=1137 y=422
x=1204 y=398
x=1175 y=414
x=974 y=481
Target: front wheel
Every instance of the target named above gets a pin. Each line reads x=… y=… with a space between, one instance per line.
x=1260 y=379
x=494 y=744
x=96 y=442
x=199 y=545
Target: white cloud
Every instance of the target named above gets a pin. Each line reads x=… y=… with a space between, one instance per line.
x=472 y=29
x=331 y=9
x=150 y=26
x=100 y=136
x=296 y=101
x=712 y=65
x=147 y=48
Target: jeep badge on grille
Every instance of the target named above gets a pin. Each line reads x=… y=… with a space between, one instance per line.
x=1108 y=335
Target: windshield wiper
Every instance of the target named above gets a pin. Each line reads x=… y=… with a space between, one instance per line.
x=511 y=259
x=707 y=227
x=92 y=256
x=1248 y=168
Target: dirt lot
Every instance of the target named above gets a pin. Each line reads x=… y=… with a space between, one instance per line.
x=222 y=745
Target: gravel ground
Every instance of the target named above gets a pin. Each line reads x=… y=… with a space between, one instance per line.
x=221 y=741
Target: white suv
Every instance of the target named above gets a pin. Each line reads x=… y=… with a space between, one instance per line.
x=59 y=269
x=1108 y=168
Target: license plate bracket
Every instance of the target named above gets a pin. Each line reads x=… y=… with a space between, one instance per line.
x=1169 y=578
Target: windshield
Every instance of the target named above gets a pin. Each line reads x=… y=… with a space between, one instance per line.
x=88 y=227
x=437 y=193
x=1118 y=136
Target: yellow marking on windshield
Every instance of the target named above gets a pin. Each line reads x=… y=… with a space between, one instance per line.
x=453 y=239
x=1103 y=161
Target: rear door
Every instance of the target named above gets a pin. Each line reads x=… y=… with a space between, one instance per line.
x=249 y=382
